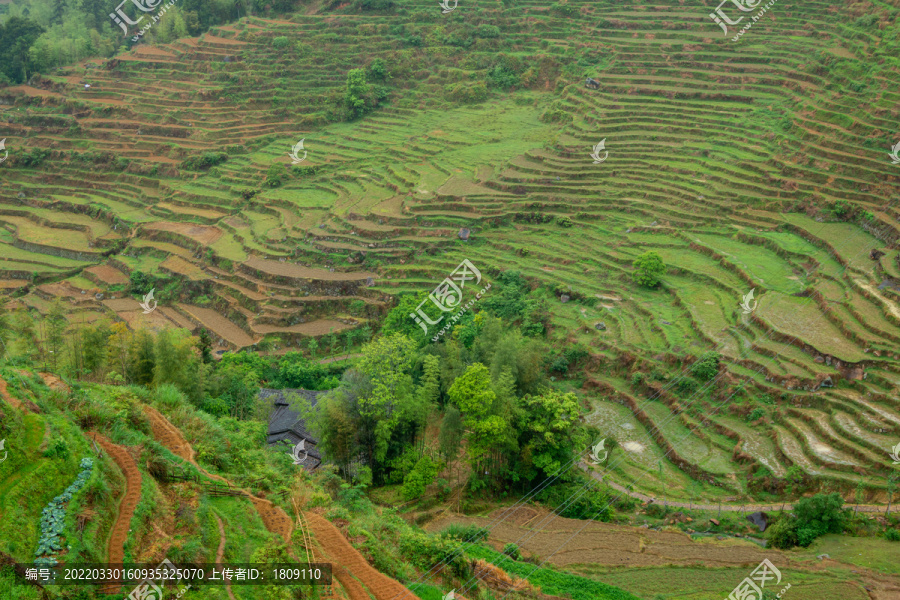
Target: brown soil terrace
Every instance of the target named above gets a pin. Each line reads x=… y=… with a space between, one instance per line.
x=119 y=533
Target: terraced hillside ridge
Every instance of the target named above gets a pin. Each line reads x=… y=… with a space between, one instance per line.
x=358 y=579
x=757 y=165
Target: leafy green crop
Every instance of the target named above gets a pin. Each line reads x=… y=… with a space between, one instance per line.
x=53 y=518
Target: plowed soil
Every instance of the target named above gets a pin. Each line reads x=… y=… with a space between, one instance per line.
x=204 y=234
x=608 y=544
x=108 y=274
x=168 y=435
x=54 y=383
x=350 y=566
x=116 y=550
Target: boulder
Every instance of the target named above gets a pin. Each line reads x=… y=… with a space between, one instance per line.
x=760 y=519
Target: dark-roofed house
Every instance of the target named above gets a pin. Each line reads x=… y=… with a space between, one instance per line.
x=286 y=424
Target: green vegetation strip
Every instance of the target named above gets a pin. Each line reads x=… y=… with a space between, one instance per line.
x=552 y=582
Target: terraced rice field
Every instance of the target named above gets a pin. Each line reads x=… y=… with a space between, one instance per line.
x=725 y=158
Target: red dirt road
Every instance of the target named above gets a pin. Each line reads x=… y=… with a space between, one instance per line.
x=350 y=566
x=116 y=549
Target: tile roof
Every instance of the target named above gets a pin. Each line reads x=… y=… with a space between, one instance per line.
x=286 y=424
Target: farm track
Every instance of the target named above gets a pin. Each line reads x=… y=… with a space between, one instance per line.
x=220 y=554
x=127 y=505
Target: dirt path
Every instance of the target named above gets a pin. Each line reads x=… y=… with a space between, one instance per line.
x=273 y=517
x=220 y=553
x=168 y=435
x=727 y=507
x=351 y=569
x=116 y=548
x=4 y=393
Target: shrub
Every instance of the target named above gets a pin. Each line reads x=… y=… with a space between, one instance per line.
x=707 y=366
x=756 y=414
x=205 y=161
x=502 y=77
x=560 y=364
x=647 y=269
x=465 y=533
x=813 y=517
x=374 y=5
x=512 y=551
x=462 y=93
x=564 y=221
x=419 y=478
x=561 y=9
x=275 y=175
x=487 y=31
x=892 y=535
x=590 y=504
x=378 y=70
x=783 y=534
x=280 y=42
x=686 y=385
x=423 y=551
x=58 y=449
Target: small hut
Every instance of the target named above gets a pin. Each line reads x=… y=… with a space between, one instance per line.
x=287 y=427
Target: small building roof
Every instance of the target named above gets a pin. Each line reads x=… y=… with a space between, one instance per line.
x=286 y=424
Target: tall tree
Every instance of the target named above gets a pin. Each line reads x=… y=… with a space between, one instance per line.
x=17 y=36
x=56 y=332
